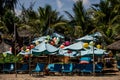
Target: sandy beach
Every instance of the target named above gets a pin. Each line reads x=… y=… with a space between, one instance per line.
x=106 y=76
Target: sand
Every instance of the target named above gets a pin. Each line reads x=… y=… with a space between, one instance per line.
x=105 y=76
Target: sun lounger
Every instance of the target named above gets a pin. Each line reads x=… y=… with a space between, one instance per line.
x=8 y=67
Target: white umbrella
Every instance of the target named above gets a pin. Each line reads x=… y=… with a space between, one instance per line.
x=75 y=46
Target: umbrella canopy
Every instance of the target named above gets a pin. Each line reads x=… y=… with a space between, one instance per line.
x=86 y=38
x=85 y=59
x=24 y=52
x=67 y=53
x=90 y=52
x=57 y=35
x=7 y=52
x=97 y=34
x=40 y=39
x=75 y=46
x=44 y=47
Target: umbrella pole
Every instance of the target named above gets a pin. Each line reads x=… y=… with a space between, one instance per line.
x=30 y=57
x=15 y=49
x=93 y=59
x=29 y=64
x=49 y=59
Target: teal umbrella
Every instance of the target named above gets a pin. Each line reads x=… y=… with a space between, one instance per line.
x=45 y=48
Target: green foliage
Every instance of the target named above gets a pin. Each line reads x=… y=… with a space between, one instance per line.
x=9 y=58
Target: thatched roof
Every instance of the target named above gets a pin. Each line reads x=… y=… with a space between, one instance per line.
x=4 y=47
x=24 y=33
x=118 y=37
x=114 y=46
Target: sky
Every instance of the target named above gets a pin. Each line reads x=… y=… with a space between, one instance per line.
x=59 y=5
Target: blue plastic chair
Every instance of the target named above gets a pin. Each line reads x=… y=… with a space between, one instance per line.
x=39 y=68
x=8 y=67
x=55 y=68
x=118 y=64
x=25 y=67
x=67 y=68
x=98 y=68
x=88 y=68
x=50 y=67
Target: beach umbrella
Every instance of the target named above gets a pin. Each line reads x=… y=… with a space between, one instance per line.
x=39 y=39
x=85 y=60
x=68 y=53
x=24 y=52
x=44 y=48
x=87 y=38
x=97 y=34
x=88 y=52
x=57 y=35
x=74 y=46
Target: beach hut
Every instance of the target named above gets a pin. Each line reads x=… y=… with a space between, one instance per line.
x=114 y=46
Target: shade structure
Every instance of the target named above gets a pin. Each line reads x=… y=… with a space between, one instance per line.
x=67 y=53
x=97 y=51
x=88 y=59
x=40 y=39
x=44 y=48
x=57 y=35
x=97 y=34
x=75 y=46
x=7 y=52
x=86 y=38
x=24 y=52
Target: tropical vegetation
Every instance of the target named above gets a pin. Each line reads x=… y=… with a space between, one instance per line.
x=103 y=17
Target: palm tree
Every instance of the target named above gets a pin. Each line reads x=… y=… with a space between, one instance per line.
x=7 y=13
x=49 y=19
x=106 y=17
x=80 y=20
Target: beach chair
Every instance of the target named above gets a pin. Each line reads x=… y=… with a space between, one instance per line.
x=79 y=67
x=118 y=64
x=8 y=67
x=88 y=68
x=39 y=68
x=24 y=68
x=53 y=68
x=67 y=68
x=99 y=68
